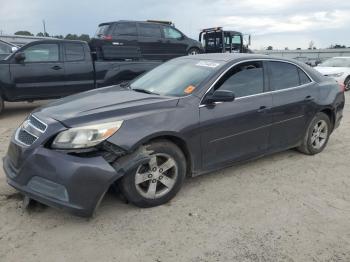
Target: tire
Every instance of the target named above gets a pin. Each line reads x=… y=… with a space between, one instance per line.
x=147 y=185
x=193 y=51
x=317 y=135
x=347 y=83
x=2 y=104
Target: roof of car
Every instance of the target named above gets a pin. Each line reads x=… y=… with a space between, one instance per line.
x=228 y=56
x=53 y=40
x=133 y=21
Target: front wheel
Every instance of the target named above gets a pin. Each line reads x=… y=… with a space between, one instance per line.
x=317 y=135
x=157 y=180
x=193 y=51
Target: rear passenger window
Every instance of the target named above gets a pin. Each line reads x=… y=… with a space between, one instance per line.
x=74 y=52
x=149 y=30
x=244 y=80
x=283 y=75
x=304 y=79
x=125 y=29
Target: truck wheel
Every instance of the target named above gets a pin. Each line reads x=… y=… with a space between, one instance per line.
x=347 y=83
x=159 y=179
x=193 y=51
x=317 y=135
x=2 y=105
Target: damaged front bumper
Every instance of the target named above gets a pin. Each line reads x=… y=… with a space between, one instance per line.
x=77 y=184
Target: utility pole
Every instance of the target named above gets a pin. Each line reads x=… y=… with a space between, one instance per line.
x=44 y=25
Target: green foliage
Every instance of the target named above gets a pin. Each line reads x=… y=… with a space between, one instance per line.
x=43 y=34
x=337 y=46
x=82 y=37
x=25 y=33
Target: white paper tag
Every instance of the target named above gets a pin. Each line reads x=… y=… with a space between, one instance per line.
x=207 y=64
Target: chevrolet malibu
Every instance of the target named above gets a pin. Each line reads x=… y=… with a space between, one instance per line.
x=189 y=116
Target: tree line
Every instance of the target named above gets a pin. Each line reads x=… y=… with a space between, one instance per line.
x=82 y=37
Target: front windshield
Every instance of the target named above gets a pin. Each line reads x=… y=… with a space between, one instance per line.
x=178 y=77
x=336 y=62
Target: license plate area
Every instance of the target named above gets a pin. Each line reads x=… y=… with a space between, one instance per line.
x=14 y=153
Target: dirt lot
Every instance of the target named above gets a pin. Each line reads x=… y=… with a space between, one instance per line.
x=284 y=207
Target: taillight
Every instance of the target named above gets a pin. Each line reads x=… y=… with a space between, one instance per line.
x=342 y=87
x=107 y=37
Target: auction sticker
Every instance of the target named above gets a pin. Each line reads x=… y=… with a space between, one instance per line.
x=207 y=64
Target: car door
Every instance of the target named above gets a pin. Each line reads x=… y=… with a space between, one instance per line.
x=174 y=44
x=293 y=96
x=41 y=74
x=150 y=41
x=79 y=71
x=233 y=131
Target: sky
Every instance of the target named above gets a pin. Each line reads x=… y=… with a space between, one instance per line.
x=279 y=23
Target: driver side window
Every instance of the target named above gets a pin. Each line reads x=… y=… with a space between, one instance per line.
x=244 y=79
x=42 y=53
x=171 y=33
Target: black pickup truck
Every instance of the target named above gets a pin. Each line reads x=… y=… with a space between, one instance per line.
x=56 y=68
x=6 y=49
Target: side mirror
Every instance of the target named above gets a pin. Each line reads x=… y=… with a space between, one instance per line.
x=220 y=96
x=20 y=56
x=14 y=49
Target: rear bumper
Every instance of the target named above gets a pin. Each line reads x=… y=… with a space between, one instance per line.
x=60 y=180
x=339 y=108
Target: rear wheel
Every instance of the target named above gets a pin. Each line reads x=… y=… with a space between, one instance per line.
x=157 y=180
x=193 y=51
x=317 y=135
x=347 y=83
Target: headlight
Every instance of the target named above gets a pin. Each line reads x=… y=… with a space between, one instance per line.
x=86 y=136
x=336 y=75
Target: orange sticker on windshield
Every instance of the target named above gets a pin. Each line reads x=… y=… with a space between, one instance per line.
x=189 y=89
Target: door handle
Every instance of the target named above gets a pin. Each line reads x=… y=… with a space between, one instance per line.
x=262 y=109
x=56 y=67
x=309 y=98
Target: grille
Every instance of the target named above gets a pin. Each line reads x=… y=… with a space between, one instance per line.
x=30 y=131
x=25 y=137
x=37 y=123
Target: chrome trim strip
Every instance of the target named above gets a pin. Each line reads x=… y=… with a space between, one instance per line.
x=261 y=94
x=21 y=128
x=19 y=141
x=254 y=129
x=40 y=122
x=257 y=60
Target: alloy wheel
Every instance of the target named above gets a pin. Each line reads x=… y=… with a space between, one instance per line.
x=319 y=134
x=157 y=177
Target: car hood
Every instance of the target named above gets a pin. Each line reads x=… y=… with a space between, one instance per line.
x=331 y=70
x=105 y=103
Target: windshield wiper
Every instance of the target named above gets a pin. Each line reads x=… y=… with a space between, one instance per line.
x=144 y=91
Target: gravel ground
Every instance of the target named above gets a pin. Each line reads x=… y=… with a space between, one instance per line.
x=284 y=207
